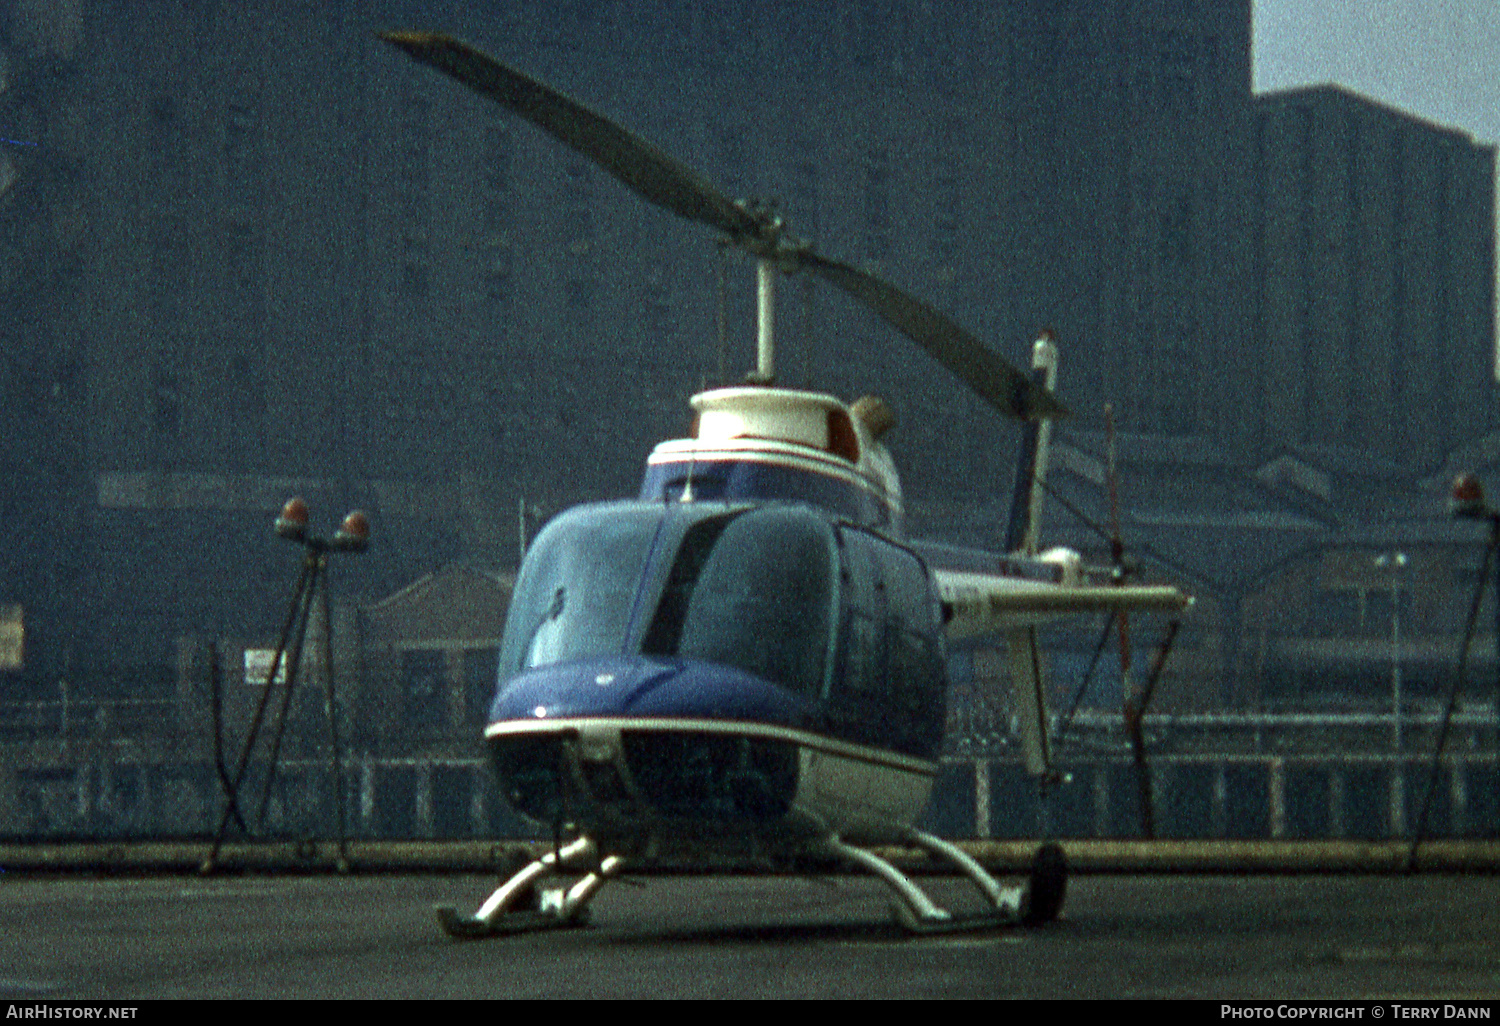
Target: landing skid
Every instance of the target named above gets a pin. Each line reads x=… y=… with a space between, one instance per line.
x=1034 y=903
x=557 y=909
x=512 y=908
x=461 y=927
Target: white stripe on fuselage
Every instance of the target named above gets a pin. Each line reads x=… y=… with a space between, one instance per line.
x=600 y=726
x=849 y=790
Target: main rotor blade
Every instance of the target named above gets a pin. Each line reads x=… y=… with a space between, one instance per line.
x=996 y=381
x=642 y=167
x=666 y=182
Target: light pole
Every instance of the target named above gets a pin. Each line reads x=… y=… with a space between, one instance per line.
x=352 y=536
x=1466 y=502
x=1395 y=562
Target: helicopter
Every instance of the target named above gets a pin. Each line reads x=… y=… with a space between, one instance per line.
x=750 y=656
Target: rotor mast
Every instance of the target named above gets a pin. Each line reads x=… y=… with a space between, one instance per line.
x=765 y=317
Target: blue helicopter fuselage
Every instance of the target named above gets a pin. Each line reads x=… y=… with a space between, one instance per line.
x=674 y=666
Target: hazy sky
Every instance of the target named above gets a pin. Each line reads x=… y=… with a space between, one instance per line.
x=1439 y=59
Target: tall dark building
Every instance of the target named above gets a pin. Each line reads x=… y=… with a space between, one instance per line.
x=262 y=253
x=1373 y=280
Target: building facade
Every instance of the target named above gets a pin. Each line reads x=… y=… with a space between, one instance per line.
x=256 y=252
x=1373 y=279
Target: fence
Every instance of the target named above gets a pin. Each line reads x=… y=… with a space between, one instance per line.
x=1194 y=796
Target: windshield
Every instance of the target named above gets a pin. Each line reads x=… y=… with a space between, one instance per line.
x=753 y=591
x=578 y=587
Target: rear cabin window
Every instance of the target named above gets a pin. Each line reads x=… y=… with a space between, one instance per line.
x=890 y=667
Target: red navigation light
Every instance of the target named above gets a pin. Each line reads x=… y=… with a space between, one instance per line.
x=292 y=524
x=1467 y=499
x=354 y=533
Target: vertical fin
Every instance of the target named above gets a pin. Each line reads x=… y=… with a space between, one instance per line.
x=1030 y=698
x=1031 y=477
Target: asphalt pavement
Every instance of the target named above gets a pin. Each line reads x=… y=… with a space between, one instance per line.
x=1267 y=937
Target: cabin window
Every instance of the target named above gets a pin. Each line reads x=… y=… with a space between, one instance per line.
x=889 y=684
x=909 y=599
